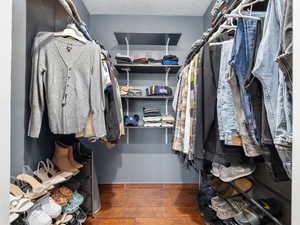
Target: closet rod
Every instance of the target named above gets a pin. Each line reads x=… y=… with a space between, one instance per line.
x=213 y=29
x=254 y=202
x=270 y=189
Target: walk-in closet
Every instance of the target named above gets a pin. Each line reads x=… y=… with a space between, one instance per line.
x=154 y=112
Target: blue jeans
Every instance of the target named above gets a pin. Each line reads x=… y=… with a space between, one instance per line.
x=228 y=126
x=265 y=69
x=242 y=62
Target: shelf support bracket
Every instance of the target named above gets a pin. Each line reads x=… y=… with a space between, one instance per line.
x=127 y=46
x=167 y=46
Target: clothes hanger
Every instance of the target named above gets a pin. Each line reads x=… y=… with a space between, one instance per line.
x=240 y=8
x=72 y=31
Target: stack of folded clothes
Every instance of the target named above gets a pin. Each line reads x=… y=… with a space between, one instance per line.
x=141 y=60
x=123 y=59
x=170 y=60
x=159 y=90
x=155 y=61
x=152 y=117
x=130 y=91
x=167 y=121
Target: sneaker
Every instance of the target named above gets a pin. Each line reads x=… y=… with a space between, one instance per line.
x=38 y=217
x=228 y=174
x=50 y=207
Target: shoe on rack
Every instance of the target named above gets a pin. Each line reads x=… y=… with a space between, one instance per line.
x=44 y=175
x=37 y=187
x=61 y=159
x=74 y=163
x=50 y=207
x=63 y=219
x=17 y=192
x=233 y=172
x=51 y=170
x=80 y=215
x=19 y=204
x=225 y=190
x=38 y=217
x=13 y=217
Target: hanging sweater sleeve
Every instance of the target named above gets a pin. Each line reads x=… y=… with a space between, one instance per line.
x=97 y=95
x=36 y=95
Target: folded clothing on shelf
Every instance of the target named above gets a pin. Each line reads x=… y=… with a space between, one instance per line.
x=170 y=60
x=168 y=121
x=131 y=120
x=151 y=112
x=149 y=124
x=141 y=60
x=135 y=92
x=154 y=61
x=123 y=59
x=159 y=90
x=152 y=119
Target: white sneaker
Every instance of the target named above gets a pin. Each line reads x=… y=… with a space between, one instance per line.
x=50 y=207
x=39 y=217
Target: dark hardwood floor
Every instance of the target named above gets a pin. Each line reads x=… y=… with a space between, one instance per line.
x=148 y=204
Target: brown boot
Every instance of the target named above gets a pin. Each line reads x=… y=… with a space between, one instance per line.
x=61 y=159
x=74 y=163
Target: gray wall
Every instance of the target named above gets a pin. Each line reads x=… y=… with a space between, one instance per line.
x=207 y=17
x=29 y=18
x=146 y=158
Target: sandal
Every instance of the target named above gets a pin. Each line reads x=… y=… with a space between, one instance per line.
x=13 y=217
x=43 y=174
x=51 y=169
x=68 y=193
x=63 y=219
x=16 y=191
x=37 y=187
x=19 y=204
x=59 y=198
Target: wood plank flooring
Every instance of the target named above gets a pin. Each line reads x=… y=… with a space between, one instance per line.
x=148 y=204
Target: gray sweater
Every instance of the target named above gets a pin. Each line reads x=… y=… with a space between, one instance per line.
x=66 y=77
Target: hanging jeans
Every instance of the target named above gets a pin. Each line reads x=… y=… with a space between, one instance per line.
x=228 y=126
x=276 y=98
x=285 y=57
x=241 y=63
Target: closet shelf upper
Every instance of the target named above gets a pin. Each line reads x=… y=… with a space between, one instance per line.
x=147 y=68
x=149 y=97
x=148 y=38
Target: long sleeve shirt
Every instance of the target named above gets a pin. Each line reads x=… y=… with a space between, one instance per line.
x=66 y=77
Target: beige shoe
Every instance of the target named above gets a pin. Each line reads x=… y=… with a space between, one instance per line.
x=74 y=163
x=61 y=159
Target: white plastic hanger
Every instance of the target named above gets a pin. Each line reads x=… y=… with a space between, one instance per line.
x=240 y=8
x=72 y=31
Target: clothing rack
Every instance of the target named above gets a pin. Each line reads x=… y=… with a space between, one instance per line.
x=206 y=35
x=254 y=202
x=266 y=187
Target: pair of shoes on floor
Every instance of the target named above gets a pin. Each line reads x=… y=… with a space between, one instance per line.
x=225 y=190
x=233 y=172
x=46 y=209
x=228 y=208
x=64 y=159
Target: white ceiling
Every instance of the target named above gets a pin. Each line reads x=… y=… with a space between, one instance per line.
x=148 y=7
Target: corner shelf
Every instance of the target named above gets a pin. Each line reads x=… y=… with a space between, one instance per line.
x=147 y=97
x=147 y=68
x=147 y=38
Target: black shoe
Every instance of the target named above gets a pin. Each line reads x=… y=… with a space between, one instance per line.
x=80 y=215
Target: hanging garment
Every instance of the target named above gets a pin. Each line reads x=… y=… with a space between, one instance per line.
x=66 y=78
x=228 y=126
x=241 y=63
x=285 y=57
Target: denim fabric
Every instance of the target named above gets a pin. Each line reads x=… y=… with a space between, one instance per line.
x=283 y=130
x=285 y=57
x=241 y=61
x=265 y=69
x=251 y=149
x=228 y=126
x=285 y=154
